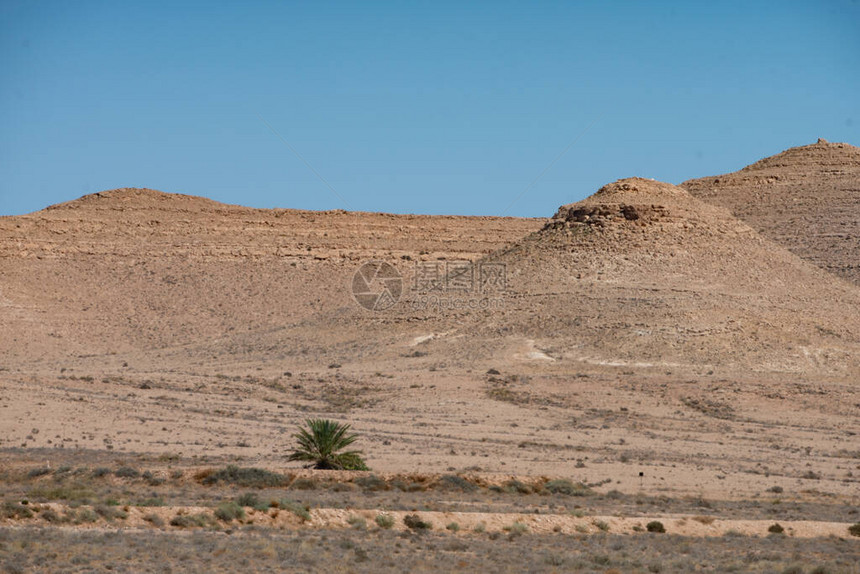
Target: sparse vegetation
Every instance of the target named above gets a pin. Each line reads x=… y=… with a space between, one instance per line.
x=296 y=508
x=72 y=492
x=66 y=550
x=200 y=520
x=110 y=512
x=372 y=483
x=703 y=519
x=454 y=482
x=709 y=407
x=245 y=477
x=251 y=500
x=127 y=472
x=322 y=445
x=601 y=525
x=37 y=472
x=775 y=528
x=82 y=516
x=357 y=522
x=517 y=528
x=567 y=488
x=154 y=519
x=14 y=510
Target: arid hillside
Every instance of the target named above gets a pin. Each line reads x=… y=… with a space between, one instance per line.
x=641 y=273
x=806 y=198
x=641 y=330
x=138 y=270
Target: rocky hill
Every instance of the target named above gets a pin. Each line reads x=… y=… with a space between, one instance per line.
x=806 y=198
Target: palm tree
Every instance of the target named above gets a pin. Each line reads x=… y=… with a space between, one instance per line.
x=321 y=445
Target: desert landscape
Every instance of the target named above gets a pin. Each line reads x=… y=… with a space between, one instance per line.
x=657 y=378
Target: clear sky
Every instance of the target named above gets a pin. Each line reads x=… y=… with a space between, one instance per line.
x=425 y=107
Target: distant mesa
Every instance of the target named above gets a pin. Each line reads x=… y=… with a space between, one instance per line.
x=137 y=198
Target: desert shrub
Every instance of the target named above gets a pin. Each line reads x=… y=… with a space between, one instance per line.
x=101 y=471
x=357 y=522
x=408 y=486
x=454 y=482
x=453 y=527
x=155 y=501
x=126 y=472
x=601 y=525
x=251 y=500
x=191 y=520
x=229 y=511
x=305 y=484
x=516 y=487
x=322 y=445
x=15 y=510
x=153 y=480
x=246 y=477
x=517 y=528
x=36 y=472
x=51 y=515
x=72 y=492
x=414 y=522
x=83 y=516
x=566 y=487
x=343 y=487
x=552 y=559
x=655 y=526
x=296 y=508
x=775 y=489
x=854 y=529
x=775 y=528
x=154 y=519
x=384 y=520
x=372 y=483
x=110 y=512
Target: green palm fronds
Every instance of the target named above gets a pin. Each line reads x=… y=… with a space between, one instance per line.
x=322 y=445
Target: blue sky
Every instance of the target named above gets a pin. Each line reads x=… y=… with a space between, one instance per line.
x=424 y=107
